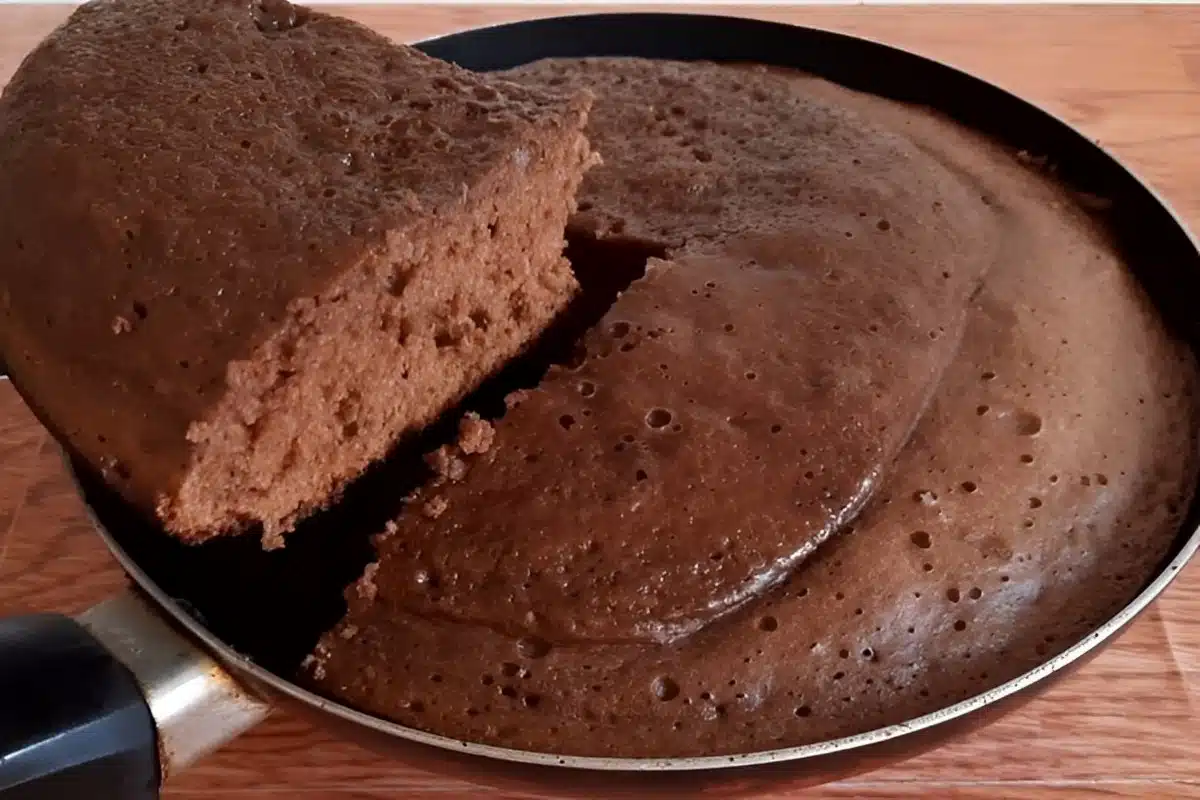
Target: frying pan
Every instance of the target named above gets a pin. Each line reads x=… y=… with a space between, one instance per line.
x=201 y=647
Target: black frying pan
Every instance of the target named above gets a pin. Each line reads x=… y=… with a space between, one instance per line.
x=104 y=706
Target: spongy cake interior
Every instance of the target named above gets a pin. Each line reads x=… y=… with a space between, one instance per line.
x=387 y=348
x=274 y=218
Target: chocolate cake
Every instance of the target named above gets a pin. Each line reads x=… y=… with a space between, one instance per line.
x=781 y=355
x=636 y=559
x=249 y=246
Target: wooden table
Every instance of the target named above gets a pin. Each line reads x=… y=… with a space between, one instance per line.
x=1127 y=726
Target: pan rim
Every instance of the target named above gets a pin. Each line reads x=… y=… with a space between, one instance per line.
x=1093 y=640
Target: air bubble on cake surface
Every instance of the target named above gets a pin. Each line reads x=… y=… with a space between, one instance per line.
x=533 y=647
x=1027 y=423
x=658 y=418
x=664 y=688
x=921 y=539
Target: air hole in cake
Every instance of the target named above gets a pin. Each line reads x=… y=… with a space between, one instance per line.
x=533 y=647
x=665 y=688
x=921 y=539
x=1028 y=423
x=658 y=418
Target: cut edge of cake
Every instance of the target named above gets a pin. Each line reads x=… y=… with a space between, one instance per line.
x=385 y=350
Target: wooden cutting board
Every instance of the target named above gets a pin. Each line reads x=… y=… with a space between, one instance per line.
x=1127 y=726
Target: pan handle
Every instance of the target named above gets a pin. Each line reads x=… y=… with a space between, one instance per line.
x=104 y=706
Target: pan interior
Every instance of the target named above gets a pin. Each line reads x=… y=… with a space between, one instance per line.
x=272 y=607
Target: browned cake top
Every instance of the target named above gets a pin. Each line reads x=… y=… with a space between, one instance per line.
x=738 y=403
x=1041 y=488
x=178 y=173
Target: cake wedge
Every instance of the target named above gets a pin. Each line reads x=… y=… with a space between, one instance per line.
x=247 y=248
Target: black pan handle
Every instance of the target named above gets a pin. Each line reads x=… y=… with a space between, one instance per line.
x=74 y=722
x=102 y=706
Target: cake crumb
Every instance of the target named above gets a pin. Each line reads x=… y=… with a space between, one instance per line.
x=272 y=539
x=446 y=464
x=514 y=399
x=348 y=632
x=390 y=527
x=439 y=460
x=314 y=666
x=435 y=507
x=121 y=325
x=475 y=435
x=111 y=467
x=366 y=584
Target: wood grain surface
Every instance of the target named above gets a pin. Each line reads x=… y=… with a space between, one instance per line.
x=1128 y=725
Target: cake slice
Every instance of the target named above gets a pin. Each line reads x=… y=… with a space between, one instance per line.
x=247 y=248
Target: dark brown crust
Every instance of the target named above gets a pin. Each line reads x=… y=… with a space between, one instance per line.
x=183 y=181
